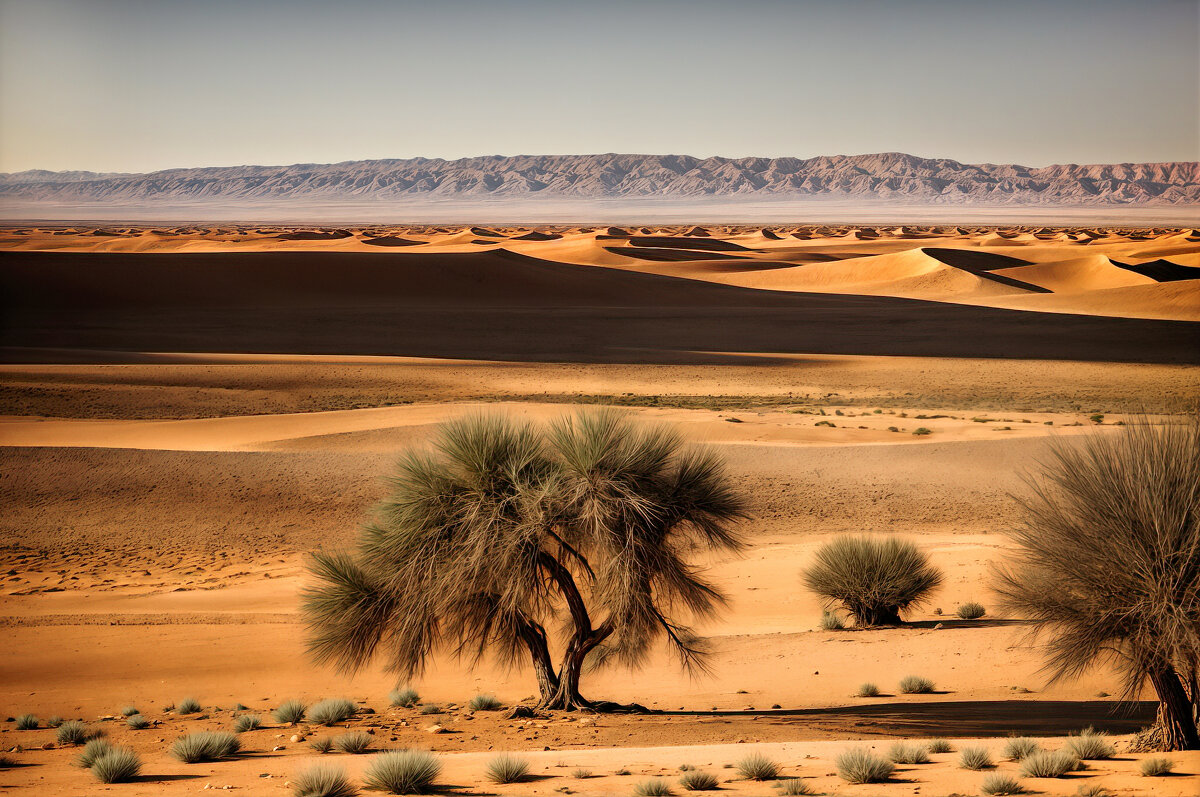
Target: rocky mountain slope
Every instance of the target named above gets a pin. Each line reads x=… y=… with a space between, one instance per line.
x=886 y=176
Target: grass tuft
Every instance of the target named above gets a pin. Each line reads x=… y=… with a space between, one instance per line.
x=137 y=722
x=757 y=766
x=431 y=708
x=188 y=706
x=27 y=722
x=402 y=772
x=1156 y=767
x=1020 y=747
x=697 y=781
x=290 y=712
x=655 y=787
x=860 y=765
x=247 y=722
x=1090 y=745
x=875 y=579
x=507 y=768
x=793 y=787
x=93 y=750
x=915 y=685
x=975 y=758
x=404 y=698
x=331 y=711
x=322 y=781
x=831 y=622
x=1049 y=764
x=485 y=703
x=937 y=746
x=75 y=733
x=355 y=743
x=581 y=774
x=867 y=690
x=117 y=765
x=129 y=711
x=322 y=745
x=971 y=611
x=998 y=783
x=205 y=746
x=901 y=753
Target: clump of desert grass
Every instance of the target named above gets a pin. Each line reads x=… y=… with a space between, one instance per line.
x=757 y=766
x=831 y=622
x=431 y=708
x=27 y=722
x=137 y=722
x=901 y=753
x=93 y=750
x=54 y=721
x=938 y=746
x=354 y=743
x=205 y=746
x=323 y=781
x=860 y=765
x=290 y=712
x=975 y=758
x=404 y=698
x=129 y=711
x=1019 y=748
x=655 y=787
x=1093 y=790
x=686 y=767
x=867 y=690
x=247 y=722
x=117 y=765
x=188 y=706
x=485 y=703
x=793 y=787
x=1048 y=764
x=402 y=772
x=697 y=780
x=915 y=685
x=331 y=711
x=75 y=733
x=999 y=784
x=873 y=579
x=322 y=745
x=581 y=774
x=971 y=611
x=507 y=768
x=1156 y=767
x=1090 y=745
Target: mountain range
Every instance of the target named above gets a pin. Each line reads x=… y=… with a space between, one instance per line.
x=879 y=177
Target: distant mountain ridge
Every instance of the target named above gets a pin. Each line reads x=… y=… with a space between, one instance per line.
x=885 y=176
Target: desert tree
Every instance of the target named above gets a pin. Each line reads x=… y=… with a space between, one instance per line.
x=504 y=529
x=1107 y=564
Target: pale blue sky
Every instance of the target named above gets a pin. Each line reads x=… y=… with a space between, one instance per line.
x=134 y=85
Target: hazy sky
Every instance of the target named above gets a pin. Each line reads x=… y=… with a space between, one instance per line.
x=136 y=85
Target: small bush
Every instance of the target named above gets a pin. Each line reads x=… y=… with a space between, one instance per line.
x=322 y=745
x=247 y=722
x=402 y=772
x=354 y=743
x=188 y=706
x=1090 y=745
x=332 y=711
x=137 y=722
x=901 y=753
x=1156 y=767
x=129 y=711
x=404 y=698
x=655 y=787
x=205 y=746
x=431 y=708
x=54 y=721
x=1094 y=790
x=118 y=765
x=485 y=703
x=975 y=758
x=1049 y=765
x=686 y=767
x=1019 y=748
x=27 y=722
x=831 y=622
x=921 y=431
x=622 y=772
x=874 y=579
x=93 y=750
x=860 y=765
x=936 y=746
x=698 y=781
x=581 y=774
x=322 y=781
x=915 y=685
x=997 y=784
x=75 y=733
x=290 y=712
x=757 y=766
x=793 y=787
x=867 y=690
x=506 y=768
x=971 y=611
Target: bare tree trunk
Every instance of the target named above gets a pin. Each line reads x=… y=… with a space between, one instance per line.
x=1176 y=718
x=534 y=637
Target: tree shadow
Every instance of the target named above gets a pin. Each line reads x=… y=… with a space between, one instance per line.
x=950 y=623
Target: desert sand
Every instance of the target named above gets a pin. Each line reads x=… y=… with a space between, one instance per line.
x=187 y=411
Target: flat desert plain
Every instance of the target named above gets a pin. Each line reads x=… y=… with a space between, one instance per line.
x=187 y=411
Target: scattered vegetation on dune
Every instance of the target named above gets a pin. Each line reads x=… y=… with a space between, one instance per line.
x=971 y=611
x=860 y=765
x=1156 y=767
x=404 y=698
x=188 y=706
x=323 y=781
x=757 y=766
x=137 y=722
x=331 y=711
x=507 y=768
x=1090 y=745
x=1093 y=790
x=27 y=722
x=290 y=712
x=485 y=703
x=873 y=579
x=937 y=746
x=1105 y=565
x=431 y=708
x=581 y=774
x=93 y=750
x=975 y=758
x=1000 y=784
x=355 y=743
x=1048 y=764
x=205 y=746
x=247 y=722
x=1019 y=748
x=697 y=780
x=793 y=787
x=117 y=765
x=655 y=787
x=402 y=772
x=75 y=733
x=901 y=753
x=322 y=744
x=915 y=685
x=831 y=622
x=867 y=690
